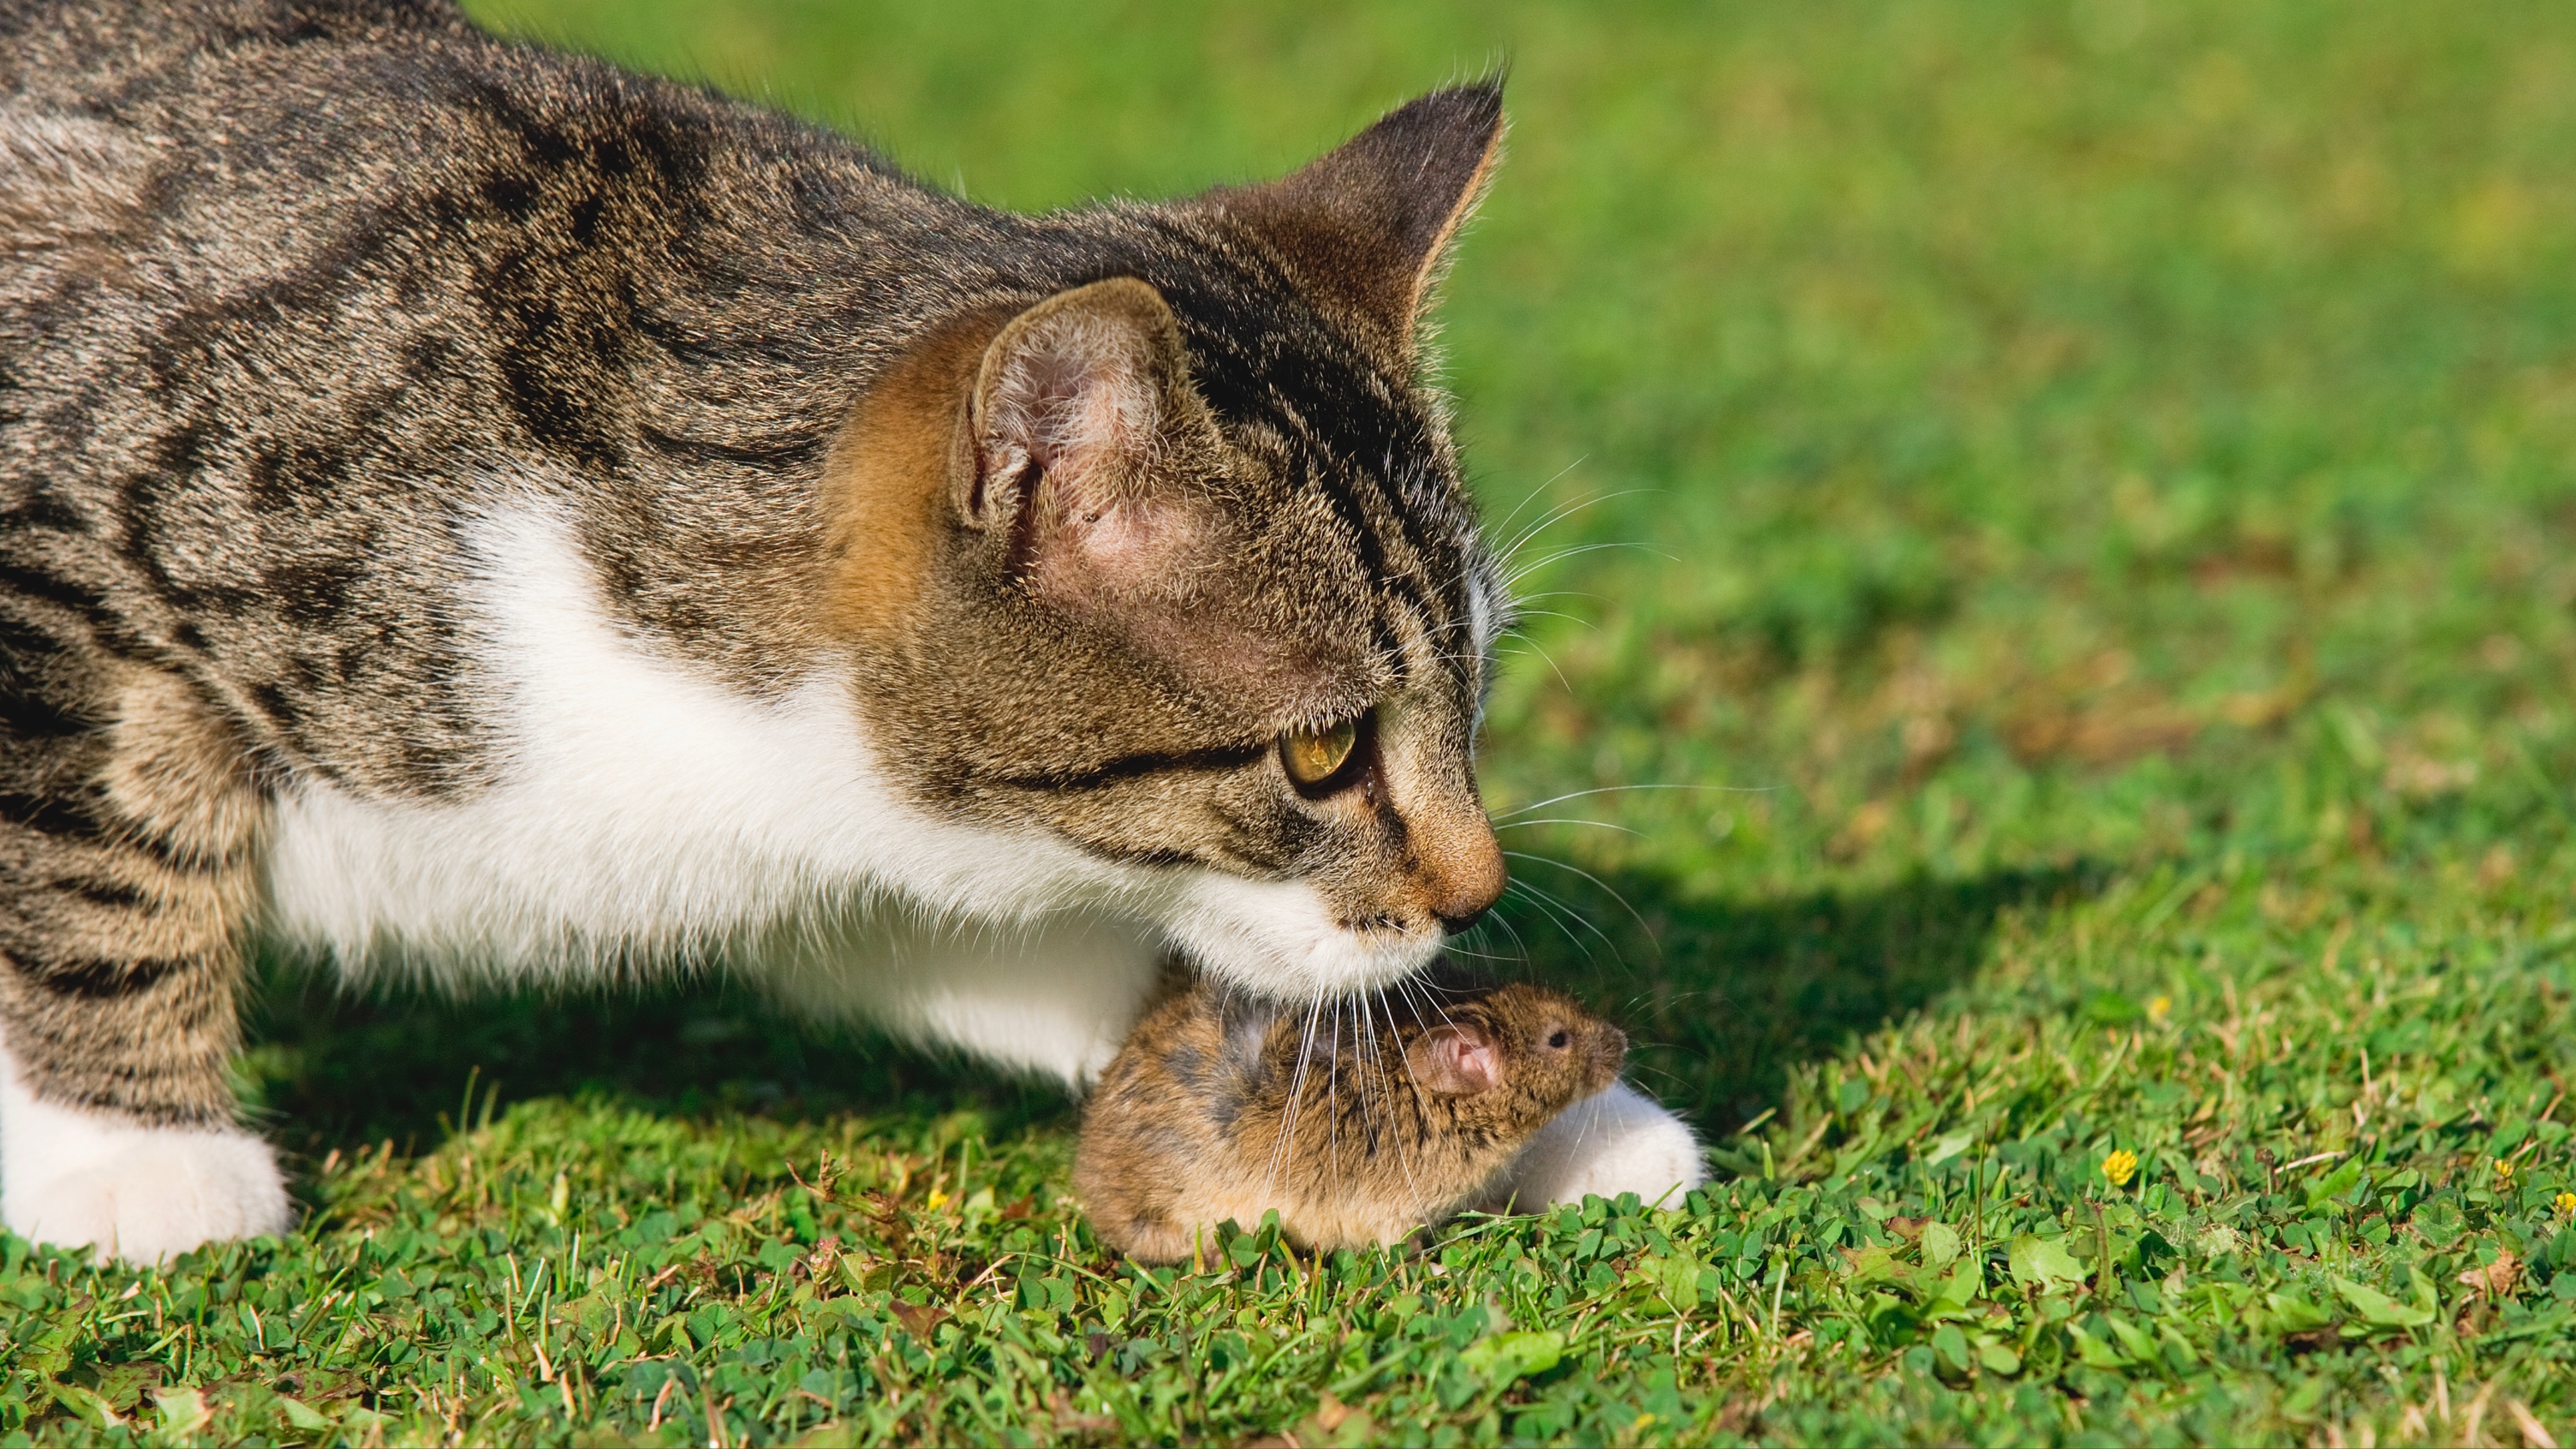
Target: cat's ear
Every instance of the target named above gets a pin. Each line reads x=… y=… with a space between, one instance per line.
x=1455 y=1059
x=1080 y=404
x=1369 y=226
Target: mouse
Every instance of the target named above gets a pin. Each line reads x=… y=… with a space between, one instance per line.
x=1360 y=1122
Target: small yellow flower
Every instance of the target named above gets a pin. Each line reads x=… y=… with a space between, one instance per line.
x=2160 y=1008
x=2120 y=1166
x=2565 y=1202
x=937 y=1201
x=2504 y=1169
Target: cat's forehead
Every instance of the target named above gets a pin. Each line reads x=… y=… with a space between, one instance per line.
x=1351 y=479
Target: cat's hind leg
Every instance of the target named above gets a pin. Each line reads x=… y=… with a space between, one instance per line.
x=128 y=871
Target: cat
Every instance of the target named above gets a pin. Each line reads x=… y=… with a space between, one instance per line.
x=470 y=512
x=1358 y=1123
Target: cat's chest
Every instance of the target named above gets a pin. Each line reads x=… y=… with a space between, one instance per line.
x=640 y=808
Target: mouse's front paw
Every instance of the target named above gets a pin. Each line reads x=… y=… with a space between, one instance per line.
x=1620 y=1141
x=143 y=1194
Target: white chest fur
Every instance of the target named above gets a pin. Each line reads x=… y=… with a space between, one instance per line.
x=643 y=811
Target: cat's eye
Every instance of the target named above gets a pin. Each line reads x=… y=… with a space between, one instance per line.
x=1316 y=759
x=1560 y=1038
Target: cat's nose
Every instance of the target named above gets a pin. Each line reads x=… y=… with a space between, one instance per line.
x=1455 y=924
x=1466 y=875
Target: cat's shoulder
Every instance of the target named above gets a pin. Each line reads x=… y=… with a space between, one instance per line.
x=55 y=50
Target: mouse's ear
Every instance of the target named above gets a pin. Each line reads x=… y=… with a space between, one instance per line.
x=1455 y=1060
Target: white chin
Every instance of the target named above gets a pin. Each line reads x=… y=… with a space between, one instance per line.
x=1278 y=938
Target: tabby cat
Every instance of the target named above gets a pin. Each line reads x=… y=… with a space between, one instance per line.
x=472 y=512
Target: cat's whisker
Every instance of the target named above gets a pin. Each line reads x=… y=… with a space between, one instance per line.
x=1415 y=991
x=1522 y=601
x=1577 y=551
x=1549 y=914
x=1566 y=820
x=1559 y=614
x=1615 y=789
x=1541 y=651
x=1394 y=1126
x=1608 y=888
x=1534 y=495
x=1333 y=1097
x=1282 y=1151
x=1578 y=917
x=1510 y=552
x=1519 y=943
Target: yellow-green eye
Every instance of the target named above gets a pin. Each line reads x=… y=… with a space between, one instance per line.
x=1315 y=756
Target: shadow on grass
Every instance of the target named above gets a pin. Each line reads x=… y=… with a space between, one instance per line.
x=329 y=1067
x=1724 y=996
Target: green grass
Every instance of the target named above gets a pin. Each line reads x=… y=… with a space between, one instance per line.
x=2105 y=544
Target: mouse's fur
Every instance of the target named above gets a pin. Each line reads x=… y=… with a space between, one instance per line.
x=1358 y=1122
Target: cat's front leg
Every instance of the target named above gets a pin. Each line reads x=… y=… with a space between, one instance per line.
x=1619 y=1141
x=127 y=873
x=131 y=1187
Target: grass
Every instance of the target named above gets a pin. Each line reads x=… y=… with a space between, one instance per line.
x=2105 y=545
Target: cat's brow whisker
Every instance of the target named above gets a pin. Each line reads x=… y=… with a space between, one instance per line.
x=1511 y=551
x=1559 y=614
x=1542 y=653
x=1512 y=548
x=1577 y=550
x=1522 y=601
x=1535 y=494
x=1508 y=556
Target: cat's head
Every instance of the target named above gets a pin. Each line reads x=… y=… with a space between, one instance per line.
x=1173 y=562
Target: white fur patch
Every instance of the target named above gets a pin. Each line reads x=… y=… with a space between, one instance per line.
x=647 y=814
x=1279 y=937
x=144 y=1194
x=1620 y=1141
x=1054 y=997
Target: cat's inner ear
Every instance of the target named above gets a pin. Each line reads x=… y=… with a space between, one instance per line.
x=1455 y=1059
x=1369 y=226
x=1078 y=406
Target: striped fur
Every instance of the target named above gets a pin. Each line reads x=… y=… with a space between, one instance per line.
x=464 y=507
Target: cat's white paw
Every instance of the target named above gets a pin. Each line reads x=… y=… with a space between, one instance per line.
x=1620 y=1141
x=144 y=1194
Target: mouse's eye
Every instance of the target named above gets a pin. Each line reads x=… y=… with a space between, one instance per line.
x=1560 y=1038
x=1318 y=760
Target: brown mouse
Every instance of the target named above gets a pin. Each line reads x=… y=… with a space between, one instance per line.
x=1359 y=1122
